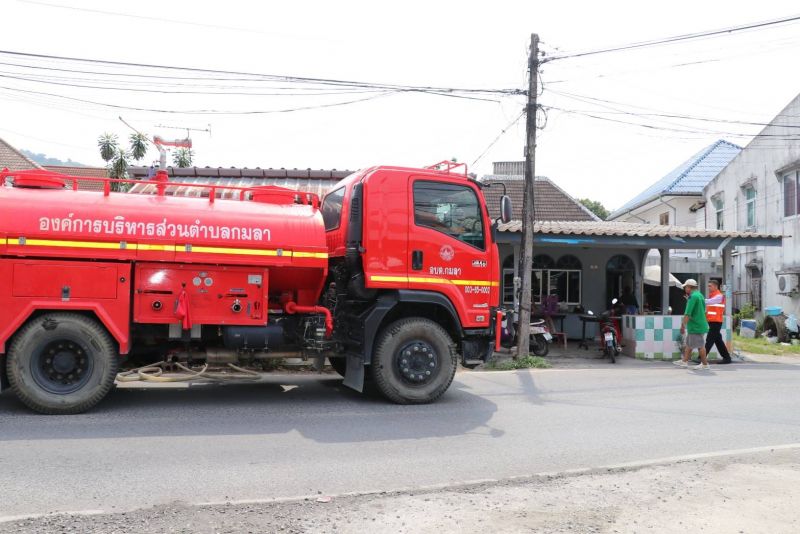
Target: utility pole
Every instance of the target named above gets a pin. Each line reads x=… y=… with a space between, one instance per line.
x=528 y=217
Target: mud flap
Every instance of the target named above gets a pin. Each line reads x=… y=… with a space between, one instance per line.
x=3 y=377
x=354 y=377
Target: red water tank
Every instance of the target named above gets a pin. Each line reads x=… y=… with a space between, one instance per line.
x=282 y=232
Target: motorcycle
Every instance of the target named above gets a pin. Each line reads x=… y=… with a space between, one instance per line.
x=610 y=333
x=540 y=336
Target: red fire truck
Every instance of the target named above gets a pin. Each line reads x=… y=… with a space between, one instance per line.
x=391 y=277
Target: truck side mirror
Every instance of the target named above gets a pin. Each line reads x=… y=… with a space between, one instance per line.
x=505 y=209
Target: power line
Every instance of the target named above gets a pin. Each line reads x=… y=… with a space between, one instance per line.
x=677 y=38
x=658 y=113
x=199 y=111
x=183 y=92
x=237 y=29
x=271 y=77
x=496 y=139
x=787 y=137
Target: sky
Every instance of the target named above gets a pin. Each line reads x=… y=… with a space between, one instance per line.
x=586 y=143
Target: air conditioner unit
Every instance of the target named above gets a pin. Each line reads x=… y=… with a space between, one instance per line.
x=788 y=283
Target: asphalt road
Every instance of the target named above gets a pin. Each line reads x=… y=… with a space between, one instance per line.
x=304 y=435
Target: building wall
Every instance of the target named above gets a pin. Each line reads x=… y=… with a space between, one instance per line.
x=756 y=166
x=679 y=213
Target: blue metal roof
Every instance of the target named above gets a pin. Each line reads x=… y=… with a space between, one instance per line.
x=689 y=178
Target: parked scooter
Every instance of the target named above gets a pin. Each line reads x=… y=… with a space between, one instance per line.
x=540 y=336
x=610 y=333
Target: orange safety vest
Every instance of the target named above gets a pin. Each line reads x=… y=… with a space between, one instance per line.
x=715 y=312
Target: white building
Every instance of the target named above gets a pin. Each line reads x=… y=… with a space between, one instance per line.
x=677 y=200
x=760 y=191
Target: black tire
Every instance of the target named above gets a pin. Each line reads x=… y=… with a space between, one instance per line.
x=428 y=367
x=80 y=372
x=609 y=352
x=339 y=365
x=539 y=346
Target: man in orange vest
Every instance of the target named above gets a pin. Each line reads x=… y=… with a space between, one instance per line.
x=715 y=313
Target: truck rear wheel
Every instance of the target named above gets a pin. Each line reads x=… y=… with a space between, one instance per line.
x=62 y=363
x=414 y=361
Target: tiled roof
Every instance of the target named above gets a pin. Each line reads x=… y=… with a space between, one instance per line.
x=306 y=180
x=625 y=229
x=551 y=203
x=89 y=172
x=13 y=159
x=689 y=178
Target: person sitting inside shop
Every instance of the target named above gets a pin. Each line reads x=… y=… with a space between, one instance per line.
x=628 y=299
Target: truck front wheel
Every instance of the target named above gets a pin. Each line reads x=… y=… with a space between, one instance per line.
x=414 y=361
x=62 y=363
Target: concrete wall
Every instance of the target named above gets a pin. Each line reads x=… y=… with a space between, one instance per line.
x=757 y=165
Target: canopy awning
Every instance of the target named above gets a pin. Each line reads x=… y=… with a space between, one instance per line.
x=632 y=235
x=652 y=277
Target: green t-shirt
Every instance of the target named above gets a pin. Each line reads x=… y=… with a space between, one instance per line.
x=696 y=312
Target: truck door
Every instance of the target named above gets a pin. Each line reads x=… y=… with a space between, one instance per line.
x=448 y=246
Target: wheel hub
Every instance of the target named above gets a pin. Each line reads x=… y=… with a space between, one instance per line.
x=61 y=367
x=417 y=363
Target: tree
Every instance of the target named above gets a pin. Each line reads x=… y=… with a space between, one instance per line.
x=117 y=158
x=595 y=207
x=182 y=157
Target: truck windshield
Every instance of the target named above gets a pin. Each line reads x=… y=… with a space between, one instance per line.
x=451 y=209
x=332 y=209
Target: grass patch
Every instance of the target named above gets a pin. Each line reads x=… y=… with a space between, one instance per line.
x=528 y=362
x=759 y=345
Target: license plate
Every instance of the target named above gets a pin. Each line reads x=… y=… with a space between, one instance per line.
x=547 y=337
x=608 y=336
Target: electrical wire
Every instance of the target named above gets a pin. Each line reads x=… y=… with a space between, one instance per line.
x=496 y=139
x=677 y=38
x=657 y=113
x=786 y=137
x=271 y=77
x=200 y=111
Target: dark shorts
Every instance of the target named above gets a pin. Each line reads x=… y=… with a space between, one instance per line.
x=695 y=341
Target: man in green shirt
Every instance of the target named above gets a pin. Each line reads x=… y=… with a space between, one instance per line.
x=694 y=326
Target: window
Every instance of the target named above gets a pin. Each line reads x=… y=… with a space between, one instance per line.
x=719 y=208
x=791 y=199
x=450 y=209
x=542 y=263
x=508 y=280
x=565 y=280
x=750 y=206
x=508 y=286
x=332 y=209
x=561 y=279
x=663 y=219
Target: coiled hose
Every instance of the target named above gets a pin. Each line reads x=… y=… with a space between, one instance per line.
x=154 y=373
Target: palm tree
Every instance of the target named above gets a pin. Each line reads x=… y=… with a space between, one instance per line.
x=183 y=157
x=108 y=144
x=118 y=159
